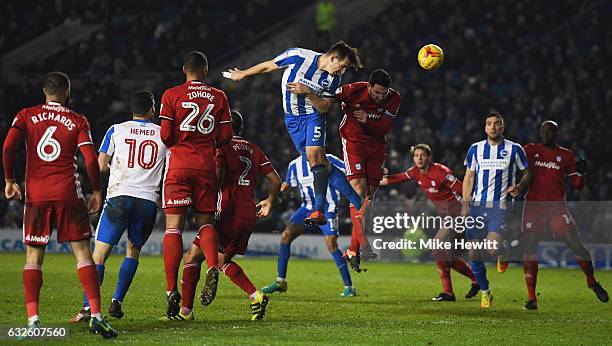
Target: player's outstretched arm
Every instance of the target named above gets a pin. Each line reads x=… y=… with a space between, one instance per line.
x=274 y=187
x=11 y=188
x=93 y=173
x=394 y=179
x=237 y=75
x=466 y=195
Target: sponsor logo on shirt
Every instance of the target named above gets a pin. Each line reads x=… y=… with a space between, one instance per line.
x=494 y=163
x=318 y=89
x=549 y=165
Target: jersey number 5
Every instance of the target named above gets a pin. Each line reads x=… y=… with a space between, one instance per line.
x=205 y=117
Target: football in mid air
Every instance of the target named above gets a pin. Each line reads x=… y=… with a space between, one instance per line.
x=431 y=57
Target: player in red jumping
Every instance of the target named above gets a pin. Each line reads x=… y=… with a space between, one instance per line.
x=240 y=162
x=369 y=110
x=545 y=208
x=444 y=190
x=52 y=134
x=195 y=121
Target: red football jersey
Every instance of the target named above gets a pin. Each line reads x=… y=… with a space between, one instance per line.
x=550 y=166
x=53 y=134
x=355 y=96
x=196 y=111
x=439 y=184
x=242 y=161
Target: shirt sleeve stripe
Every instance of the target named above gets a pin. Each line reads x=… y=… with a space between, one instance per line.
x=165 y=117
x=84 y=143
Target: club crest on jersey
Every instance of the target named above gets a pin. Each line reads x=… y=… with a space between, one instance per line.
x=433 y=183
x=558 y=158
x=325 y=83
x=358 y=166
x=504 y=153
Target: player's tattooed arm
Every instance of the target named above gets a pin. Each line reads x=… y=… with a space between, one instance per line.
x=237 y=75
x=274 y=187
x=468 y=186
x=515 y=190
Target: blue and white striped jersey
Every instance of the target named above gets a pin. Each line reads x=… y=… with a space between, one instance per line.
x=301 y=66
x=496 y=169
x=299 y=175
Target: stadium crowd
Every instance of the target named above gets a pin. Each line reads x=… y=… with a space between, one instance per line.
x=530 y=60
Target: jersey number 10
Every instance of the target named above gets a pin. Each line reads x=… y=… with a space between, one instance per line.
x=143 y=161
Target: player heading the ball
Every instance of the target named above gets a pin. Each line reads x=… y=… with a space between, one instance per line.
x=305 y=124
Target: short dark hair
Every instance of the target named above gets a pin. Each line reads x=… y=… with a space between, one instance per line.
x=55 y=83
x=195 y=61
x=343 y=50
x=141 y=102
x=494 y=114
x=380 y=77
x=237 y=122
x=421 y=146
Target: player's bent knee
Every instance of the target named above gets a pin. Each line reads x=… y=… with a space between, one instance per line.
x=332 y=243
x=131 y=251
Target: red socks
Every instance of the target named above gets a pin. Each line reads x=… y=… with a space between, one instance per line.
x=357 y=230
x=444 y=270
x=233 y=271
x=172 y=249
x=587 y=268
x=530 y=269
x=461 y=266
x=189 y=282
x=88 y=275
x=209 y=243
x=32 y=282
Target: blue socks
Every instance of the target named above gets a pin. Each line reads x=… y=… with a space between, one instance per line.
x=284 y=253
x=480 y=272
x=126 y=275
x=100 y=268
x=321 y=178
x=342 y=267
x=338 y=180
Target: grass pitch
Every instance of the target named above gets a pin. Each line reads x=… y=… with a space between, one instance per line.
x=393 y=307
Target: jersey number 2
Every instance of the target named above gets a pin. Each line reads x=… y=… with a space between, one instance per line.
x=242 y=181
x=204 y=117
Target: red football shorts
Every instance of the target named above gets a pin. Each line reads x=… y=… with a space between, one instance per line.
x=185 y=187
x=235 y=229
x=448 y=208
x=539 y=216
x=70 y=217
x=364 y=161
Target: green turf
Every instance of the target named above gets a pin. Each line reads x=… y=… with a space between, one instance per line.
x=393 y=307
